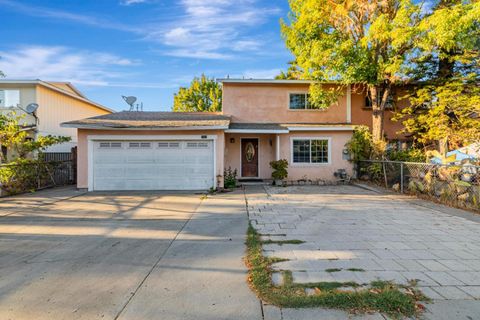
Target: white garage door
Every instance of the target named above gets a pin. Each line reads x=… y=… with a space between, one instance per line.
x=153 y=165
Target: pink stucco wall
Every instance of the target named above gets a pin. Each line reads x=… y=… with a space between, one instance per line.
x=82 y=160
x=264 y=103
x=267 y=153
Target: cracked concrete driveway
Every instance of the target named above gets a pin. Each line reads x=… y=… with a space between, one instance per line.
x=67 y=255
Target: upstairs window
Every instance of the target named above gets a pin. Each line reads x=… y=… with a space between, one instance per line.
x=9 y=98
x=300 y=101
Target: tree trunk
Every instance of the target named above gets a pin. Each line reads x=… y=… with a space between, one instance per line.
x=377 y=115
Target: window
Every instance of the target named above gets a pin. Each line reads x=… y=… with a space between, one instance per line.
x=310 y=151
x=169 y=145
x=197 y=145
x=115 y=145
x=299 y=101
x=9 y=98
x=140 y=145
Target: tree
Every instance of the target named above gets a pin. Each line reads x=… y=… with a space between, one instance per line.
x=293 y=72
x=445 y=104
x=353 y=42
x=15 y=136
x=203 y=95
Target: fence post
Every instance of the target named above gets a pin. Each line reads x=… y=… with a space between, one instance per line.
x=401 y=177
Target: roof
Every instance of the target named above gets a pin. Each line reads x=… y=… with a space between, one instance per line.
x=153 y=120
x=57 y=86
x=265 y=81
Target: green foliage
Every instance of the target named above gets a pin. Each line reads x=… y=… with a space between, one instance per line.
x=293 y=72
x=409 y=155
x=230 y=178
x=354 y=42
x=26 y=175
x=445 y=105
x=360 y=145
x=279 y=167
x=14 y=136
x=203 y=95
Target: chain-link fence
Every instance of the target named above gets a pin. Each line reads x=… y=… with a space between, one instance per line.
x=457 y=185
x=35 y=175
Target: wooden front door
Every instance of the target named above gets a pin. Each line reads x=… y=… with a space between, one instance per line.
x=249 y=158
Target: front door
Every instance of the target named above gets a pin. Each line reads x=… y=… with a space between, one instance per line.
x=249 y=158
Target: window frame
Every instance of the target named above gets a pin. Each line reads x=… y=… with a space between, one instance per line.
x=306 y=94
x=311 y=164
x=3 y=102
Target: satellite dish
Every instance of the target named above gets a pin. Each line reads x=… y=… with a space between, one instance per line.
x=130 y=100
x=31 y=108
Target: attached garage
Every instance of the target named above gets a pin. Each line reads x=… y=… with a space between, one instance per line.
x=150 y=151
x=153 y=165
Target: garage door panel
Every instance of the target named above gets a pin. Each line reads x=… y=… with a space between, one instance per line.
x=153 y=165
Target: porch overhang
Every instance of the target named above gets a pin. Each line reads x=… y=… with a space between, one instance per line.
x=281 y=128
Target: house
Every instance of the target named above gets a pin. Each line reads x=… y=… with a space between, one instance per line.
x=57 y=102
x=261 y=121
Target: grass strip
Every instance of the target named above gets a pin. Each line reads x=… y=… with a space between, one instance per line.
x=380 y=296
x=282 y=242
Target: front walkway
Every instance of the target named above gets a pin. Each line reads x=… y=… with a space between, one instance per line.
x=384 y=237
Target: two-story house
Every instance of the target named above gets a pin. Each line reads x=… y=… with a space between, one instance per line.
x=261 y=121
x=57 y=102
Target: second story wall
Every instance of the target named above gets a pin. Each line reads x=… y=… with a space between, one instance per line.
x=269 y=103
x=26 y=93
x=56 y=108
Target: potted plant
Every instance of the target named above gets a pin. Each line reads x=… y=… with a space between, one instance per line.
x=279 y=173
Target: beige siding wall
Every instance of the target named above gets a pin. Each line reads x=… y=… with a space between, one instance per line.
x=56 y=108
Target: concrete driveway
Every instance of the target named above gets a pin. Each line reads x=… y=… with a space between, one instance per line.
x=67 y=255
x=380 y=236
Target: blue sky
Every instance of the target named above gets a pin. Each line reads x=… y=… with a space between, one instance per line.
x=146 y=48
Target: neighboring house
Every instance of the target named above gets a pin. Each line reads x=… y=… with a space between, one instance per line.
x=58 y=102
x=261 y=121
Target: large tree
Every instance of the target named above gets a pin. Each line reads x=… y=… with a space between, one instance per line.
x=445 y=104
x=353 y=42
x=203 y=95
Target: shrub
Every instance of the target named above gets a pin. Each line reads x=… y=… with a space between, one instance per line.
x=409 y=155
x=279 y=169
x=230 y=178
x=360 y=145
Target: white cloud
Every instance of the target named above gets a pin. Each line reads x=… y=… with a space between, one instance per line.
x=262 y=73
x=131 y=2
x=44 y=12
x=63 y=64
x=213 y=29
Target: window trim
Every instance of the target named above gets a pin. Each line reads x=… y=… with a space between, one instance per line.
x=304 y=164
x=4 y=101
x=301 y=110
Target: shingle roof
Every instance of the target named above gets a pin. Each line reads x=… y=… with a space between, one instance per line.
x=132 y=119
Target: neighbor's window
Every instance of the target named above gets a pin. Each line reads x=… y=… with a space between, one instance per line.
x=9 y=98
x=300 y=101
x=310 y=151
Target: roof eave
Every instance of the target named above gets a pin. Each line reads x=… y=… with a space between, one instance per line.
x=173 y=128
